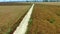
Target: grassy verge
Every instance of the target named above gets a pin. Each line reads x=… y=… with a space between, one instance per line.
x=9 y=31
x=29 y=26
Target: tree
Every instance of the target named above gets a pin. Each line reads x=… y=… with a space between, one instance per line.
x=45 y=0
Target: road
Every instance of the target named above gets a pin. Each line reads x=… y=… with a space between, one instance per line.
x=21 y=29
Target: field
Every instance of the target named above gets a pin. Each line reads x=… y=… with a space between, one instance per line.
x=48 y=3
x=45 y=19
x=10 y=17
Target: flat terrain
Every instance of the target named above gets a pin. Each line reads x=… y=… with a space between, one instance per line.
x=45 y=19
x=28 y=3
x=9 y=15
x=48 y=3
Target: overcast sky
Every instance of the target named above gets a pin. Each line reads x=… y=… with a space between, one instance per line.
x=17 y=0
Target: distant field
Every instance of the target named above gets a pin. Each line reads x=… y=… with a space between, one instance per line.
x=14 y=3
x=45 y=19
x=26 y=3
x=49 y=3
x=9 y=16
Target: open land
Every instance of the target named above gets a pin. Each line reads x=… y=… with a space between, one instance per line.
x=45 y=19
x=48 y=3
x=10 y=17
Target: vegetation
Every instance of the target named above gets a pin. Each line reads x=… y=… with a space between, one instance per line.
x=30 y=23
x=52 y=20
x=9 y=31
x=58 y=13
x=14 y=14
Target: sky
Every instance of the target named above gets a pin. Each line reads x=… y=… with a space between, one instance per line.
x=16 y=0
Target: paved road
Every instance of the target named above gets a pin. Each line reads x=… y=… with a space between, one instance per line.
x=21 y=29
x=9 y=15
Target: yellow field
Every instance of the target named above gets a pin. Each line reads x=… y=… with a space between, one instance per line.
x=48 y=3
x=9 y=15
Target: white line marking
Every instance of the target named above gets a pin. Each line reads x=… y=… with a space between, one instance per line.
x=22 y=28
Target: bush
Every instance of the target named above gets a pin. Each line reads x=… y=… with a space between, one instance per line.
x=52 y=20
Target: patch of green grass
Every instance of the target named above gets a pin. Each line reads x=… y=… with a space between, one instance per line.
x=8 y=32
x=30 y=21
x=30 y=24
x=52 y=20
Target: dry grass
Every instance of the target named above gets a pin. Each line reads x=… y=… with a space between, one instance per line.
x=48 y=3
x=45 y=20
x=9 y=15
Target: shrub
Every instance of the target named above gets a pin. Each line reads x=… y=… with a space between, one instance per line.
x=52 y=20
